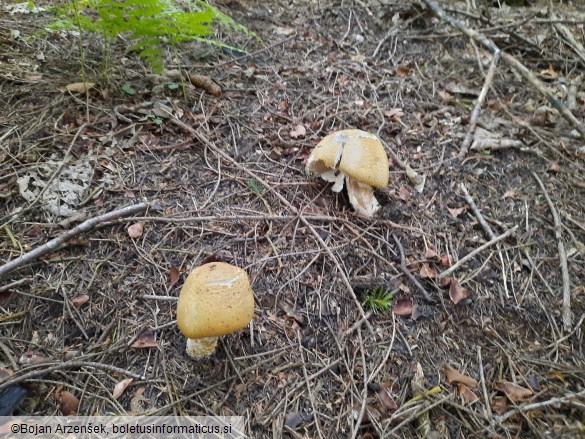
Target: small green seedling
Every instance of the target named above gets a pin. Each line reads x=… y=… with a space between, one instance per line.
x=255 y=187
x=128 y=89
x=379 y=300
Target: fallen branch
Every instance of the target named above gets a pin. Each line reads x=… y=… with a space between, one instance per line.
x=566 y=307
x=63 y=238
x=45 y=368
x=480 y=100
x=488 y=230
x=466 y=258
x=407 y=272
x=510 y=61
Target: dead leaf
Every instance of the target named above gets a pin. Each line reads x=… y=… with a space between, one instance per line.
x=417 y=180
x=31 y=358
x=404 y=193
x=120 y=387
x=145 y=340
x=293 y=420
x=135 y=230
x=394 y=114
x=445 y=260
x=386 y=400
x=68 y=402
x=455 y=377
x=509 y=194
x=466 y=394
x=136 y=408
x=456 y=212
x=456 y=292
x=500 y=405
x=290 y=311
x=431 y=254
x=402 y=307
x=402 y=71
x=299 y=131
x=554 y=167
x=79 y=300
x=174 y=275
x=78 y=87
x=426 y=271
x=549 y=73
x=515 y=392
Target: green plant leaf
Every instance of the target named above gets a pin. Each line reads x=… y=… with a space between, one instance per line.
x=128 y=89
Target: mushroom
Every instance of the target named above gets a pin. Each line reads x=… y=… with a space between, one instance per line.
x=359 y=159
x=215 y=300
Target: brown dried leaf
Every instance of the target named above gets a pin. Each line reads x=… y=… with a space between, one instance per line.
x=402 y=307
x=431 y=254
x=79 y=87
x=402 y=71
x=509 y=194
x=404 y=193
x=68 y=402
x=145 y=340
x=455 y=377
x=394 y=114
x=135 y=230
x=174 y=275
x=445 y=260
x=120 y=387
x=299 y=131
x=456 y=211
x=549 y=73
x=31 y=358
x=456 y=292
x=466 y=394
x=386 y=400
x=426 y=271
x=500 y=405
x=79 y=300
x=515 y=392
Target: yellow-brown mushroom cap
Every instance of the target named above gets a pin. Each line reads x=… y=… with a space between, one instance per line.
x=356 y=153
x=215 y=300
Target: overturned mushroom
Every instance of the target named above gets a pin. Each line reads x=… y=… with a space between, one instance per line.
x=215 y=300
x=359 y=159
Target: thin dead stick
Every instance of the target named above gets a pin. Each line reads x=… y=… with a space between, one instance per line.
x=491 y=235
x=566 y=307
x=63 y=238
x=407 y=272
x=477 y=109
x=256 y=52
x=567 y=399
x=488 y=406
x=466 y=258
x=66 y=365
x=293 y=209
x=510 y=61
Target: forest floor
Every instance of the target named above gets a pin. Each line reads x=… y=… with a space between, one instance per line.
x=492 y=348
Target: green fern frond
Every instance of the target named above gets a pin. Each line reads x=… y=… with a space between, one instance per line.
x=151 y=25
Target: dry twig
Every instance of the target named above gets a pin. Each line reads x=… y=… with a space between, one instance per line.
x=466 y=258
x=510 y=61
x=63 y=238
x=566 y=307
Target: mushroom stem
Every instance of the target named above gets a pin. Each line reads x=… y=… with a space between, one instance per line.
x=201 y=347
x=361 y=197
